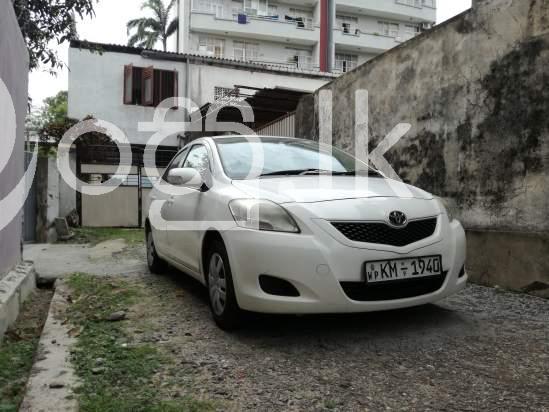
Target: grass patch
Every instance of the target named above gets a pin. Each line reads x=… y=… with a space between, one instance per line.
x=97 y=235
x=16 y=359
x=116 y=375
x=18 y=349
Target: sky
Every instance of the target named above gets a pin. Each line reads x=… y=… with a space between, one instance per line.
x=109 y=26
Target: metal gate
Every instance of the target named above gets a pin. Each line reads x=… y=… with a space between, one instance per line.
x=125 y=206
x=30 y=208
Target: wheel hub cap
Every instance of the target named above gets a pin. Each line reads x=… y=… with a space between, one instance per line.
x=217 y=284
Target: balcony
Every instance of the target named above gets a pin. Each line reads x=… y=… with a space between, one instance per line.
x=364 y=42
x=391 y=9
x=256 y=28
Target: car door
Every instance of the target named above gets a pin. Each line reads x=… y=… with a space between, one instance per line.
x=185 y=243
x=159 y=223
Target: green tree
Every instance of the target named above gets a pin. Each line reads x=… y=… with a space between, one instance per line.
x=51 y=121
x=46 y=22
x=150 y=30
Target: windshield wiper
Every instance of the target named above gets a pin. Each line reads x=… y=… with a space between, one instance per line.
x=303 y=172
x=371 y=173
x=297 y=172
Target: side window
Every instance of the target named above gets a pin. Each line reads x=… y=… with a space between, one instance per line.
x=175 y=163
x=198 y=159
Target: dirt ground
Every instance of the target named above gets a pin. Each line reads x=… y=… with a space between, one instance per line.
x=483 y=349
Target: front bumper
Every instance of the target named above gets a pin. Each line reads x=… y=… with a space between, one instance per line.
x=318 y=264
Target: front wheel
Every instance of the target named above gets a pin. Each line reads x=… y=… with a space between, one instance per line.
x=225 y=311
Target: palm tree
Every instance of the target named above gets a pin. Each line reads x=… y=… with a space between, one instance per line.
x=149 y=30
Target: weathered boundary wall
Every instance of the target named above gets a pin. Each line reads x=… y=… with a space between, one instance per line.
x=14 y=63
x=476 y=92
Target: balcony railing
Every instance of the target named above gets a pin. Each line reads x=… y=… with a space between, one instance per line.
x=395 y=9
x=269 y=28
x=366 y=42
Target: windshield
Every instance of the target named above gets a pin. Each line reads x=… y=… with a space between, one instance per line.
x=285 y=157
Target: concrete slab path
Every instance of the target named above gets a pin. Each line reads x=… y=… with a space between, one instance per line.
x=112 y=257
x=52 y=382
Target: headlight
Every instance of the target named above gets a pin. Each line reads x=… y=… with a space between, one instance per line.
x=262 y=215
x=445 y=208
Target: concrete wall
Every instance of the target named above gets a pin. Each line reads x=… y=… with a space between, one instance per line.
x=67 y=195
x=476 y=92
x=96 y=87
x=14 y=64
x=118 y=208
x=53 y=198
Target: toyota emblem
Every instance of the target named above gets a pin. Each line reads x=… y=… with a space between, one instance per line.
x=398 y=219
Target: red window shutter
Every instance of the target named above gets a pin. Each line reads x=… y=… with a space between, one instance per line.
x=148 y=86
x=128 y=84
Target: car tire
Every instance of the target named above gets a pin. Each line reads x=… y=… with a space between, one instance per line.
x=154 y=262
x=222 y=298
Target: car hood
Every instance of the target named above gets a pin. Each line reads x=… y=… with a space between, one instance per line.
x=310 y=189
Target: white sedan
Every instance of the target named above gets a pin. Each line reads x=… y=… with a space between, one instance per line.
x=282 y=225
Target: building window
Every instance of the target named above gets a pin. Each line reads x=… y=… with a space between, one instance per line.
x=413 y=3
x=209 y=6
x=211 y=46
x=348 y=24
x=430 y=3
x=223 y=93
x=256 y=7
x=245 y=51
x=303 y=59
x=303 y=18
x=147 y=86
x=389 y=29
x=412 y=30
x=346 y=62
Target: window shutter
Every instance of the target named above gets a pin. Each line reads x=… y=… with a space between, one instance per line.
x=148 y=86
x=128 y=84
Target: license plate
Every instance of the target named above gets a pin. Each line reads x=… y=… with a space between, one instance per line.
x=399 y=269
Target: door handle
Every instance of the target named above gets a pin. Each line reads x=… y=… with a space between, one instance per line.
x=170 y=200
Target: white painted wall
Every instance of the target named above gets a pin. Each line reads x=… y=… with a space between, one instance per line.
x=96 y=87
x=204 y=79
x=14 y=61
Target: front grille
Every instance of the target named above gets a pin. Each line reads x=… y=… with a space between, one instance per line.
x=400 y=289
x=383 y=234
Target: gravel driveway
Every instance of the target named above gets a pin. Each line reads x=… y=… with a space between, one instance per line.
x=483 y=349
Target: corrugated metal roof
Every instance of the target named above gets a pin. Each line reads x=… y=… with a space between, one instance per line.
x=168 y=55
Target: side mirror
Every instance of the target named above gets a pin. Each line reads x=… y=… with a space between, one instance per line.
x=185 y=177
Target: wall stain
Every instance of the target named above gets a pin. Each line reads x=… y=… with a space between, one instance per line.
x=518 y=102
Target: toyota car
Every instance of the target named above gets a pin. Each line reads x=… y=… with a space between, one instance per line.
x=291 y=226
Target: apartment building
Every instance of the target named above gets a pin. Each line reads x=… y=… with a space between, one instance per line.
x=321 y=35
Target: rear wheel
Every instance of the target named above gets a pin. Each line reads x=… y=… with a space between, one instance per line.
x=155 y=263
x=225 y=310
